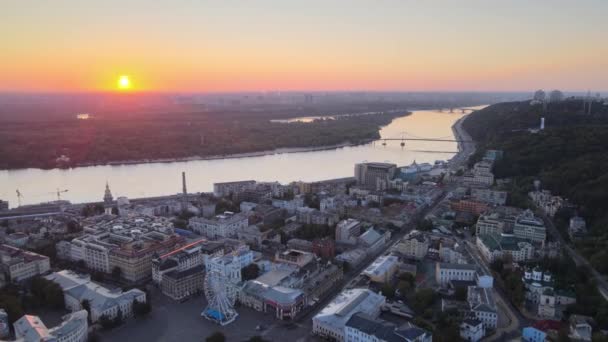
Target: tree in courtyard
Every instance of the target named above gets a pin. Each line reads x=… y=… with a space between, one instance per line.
x=118 y=319
x=258 y=339
x=388 y=291
x=250 y=271
x=116 y=273
x=86 y=305
x=216 y=337
x=141 y=308
x=423 y=299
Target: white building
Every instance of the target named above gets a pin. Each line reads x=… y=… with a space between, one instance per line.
x=289 y=205
x=330 y=322
x=228 y=266
x=577 y=227
x=382 y=269
x=74 y=328
x=353 y=257
x=489 y=196
x=21 y=265
x=364 y=328
x=483 y=306
x=347 y=231
x=498 y=246
x=444 y=273
x=415 y=245
x=490 y=224
x=472 y=329
x=529 y=227
x=221 y=226
x=78 y=288
x=546 y=201
x=374 y=240
x=228 y=188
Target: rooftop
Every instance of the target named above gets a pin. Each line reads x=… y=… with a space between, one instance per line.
x=347 y=303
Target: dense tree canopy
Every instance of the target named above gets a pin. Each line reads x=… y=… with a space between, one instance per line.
x=570 y=158
x=26 y=144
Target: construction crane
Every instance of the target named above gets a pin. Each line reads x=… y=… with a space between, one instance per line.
x=19 y=196
x=58 y=193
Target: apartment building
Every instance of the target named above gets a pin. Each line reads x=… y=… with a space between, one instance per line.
x=529 y=227
x=415 y=245
x=226 y=225
x=21 y=265
x=445 y=273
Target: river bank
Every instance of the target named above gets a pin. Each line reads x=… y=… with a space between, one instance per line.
x=232 y=156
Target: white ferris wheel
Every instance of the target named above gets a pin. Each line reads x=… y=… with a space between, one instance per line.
x=221 y=295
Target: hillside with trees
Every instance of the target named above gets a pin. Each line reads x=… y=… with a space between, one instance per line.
x=570 y=158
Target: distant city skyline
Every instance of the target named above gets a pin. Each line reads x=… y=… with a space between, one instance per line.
x=387 y=45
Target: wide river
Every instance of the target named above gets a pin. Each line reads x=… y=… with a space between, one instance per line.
x=86 y=184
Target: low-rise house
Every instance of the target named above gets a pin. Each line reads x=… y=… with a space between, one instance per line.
x=581 y=328
x=532 y=334
x=577 y=228
x=472 y=330
x=444 y=273
x=483 y=306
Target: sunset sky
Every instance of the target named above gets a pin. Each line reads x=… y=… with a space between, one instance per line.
x=229 y=45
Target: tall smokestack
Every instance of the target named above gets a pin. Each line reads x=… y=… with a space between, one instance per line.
x=542 y=125
x=185 y=193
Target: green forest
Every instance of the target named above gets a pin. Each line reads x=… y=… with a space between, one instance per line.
x=25 y=144
x=570 y=158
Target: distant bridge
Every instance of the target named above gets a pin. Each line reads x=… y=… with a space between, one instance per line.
x=405 y=136
x=462 y=110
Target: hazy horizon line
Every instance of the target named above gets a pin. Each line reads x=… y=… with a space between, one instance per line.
x=161 y=92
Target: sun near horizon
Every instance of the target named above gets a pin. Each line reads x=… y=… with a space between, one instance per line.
x=123 y=83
